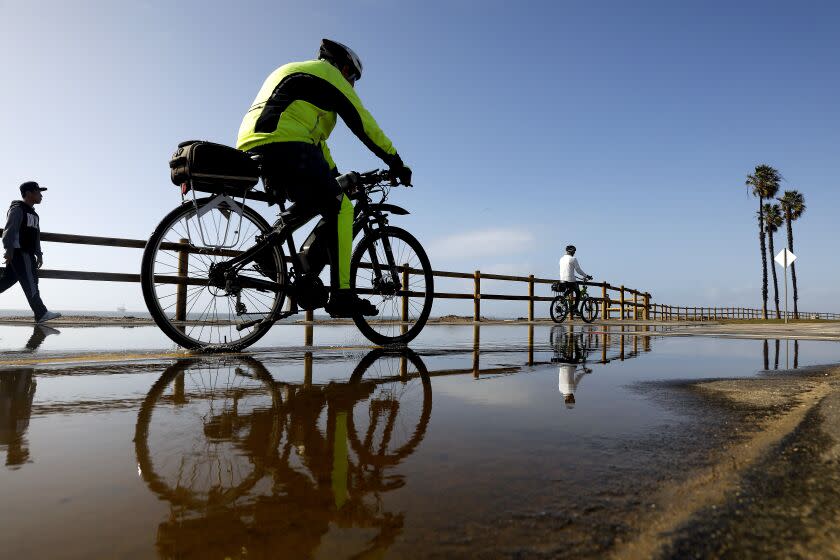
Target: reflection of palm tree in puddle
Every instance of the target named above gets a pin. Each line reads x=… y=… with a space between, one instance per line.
x=17 y=390
x=250 y=463
x=766 y=354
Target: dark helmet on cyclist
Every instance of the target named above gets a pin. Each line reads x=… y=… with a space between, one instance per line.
x=571 y=248
x=340 y=56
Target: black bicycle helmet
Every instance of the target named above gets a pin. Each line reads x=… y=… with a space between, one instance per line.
x=571 y=248
x=341 y=56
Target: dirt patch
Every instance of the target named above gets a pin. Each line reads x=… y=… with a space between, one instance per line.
x=782 y=405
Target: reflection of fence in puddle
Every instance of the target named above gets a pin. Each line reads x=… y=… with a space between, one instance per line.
x=619 y=343
x=249 y=463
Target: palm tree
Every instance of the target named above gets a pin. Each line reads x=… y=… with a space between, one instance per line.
x=772 y=220
x=764 y=183
x=793 y=206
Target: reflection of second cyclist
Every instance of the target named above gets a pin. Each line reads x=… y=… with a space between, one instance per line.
x=570 y=355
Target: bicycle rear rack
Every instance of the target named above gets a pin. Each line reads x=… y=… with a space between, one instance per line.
x=218 y=202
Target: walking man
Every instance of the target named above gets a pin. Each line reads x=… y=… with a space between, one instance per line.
x=22 y=246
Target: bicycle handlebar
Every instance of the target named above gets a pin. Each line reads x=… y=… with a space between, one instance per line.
x=354 y=182
x=376 y=176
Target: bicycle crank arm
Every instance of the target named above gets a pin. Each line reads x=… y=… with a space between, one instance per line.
x=258 y=284
x=255 y=322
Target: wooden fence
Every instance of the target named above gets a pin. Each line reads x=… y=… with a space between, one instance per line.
x=617 y=302
x=682 y=313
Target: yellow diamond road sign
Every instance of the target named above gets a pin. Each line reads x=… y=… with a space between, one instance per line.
x=785 y=258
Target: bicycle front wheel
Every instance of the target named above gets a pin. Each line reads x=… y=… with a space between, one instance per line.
x=559 y=308
x=589 y=309
x=386 y=427
x=174 y=276
x=391 y=268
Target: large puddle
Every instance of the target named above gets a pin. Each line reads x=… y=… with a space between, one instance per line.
x=513 y=441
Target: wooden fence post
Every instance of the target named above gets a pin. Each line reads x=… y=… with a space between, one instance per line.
x=621 y=303
x=635 y=305
x=605 y=301
x=647 y=306
x=405 y=296
x=530 y=297
x=477 y=296
x=181 y=293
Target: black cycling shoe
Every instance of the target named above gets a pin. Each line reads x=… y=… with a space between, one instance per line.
x=346 y=305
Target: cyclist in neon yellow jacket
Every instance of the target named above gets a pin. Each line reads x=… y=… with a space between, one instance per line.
x=289 y=122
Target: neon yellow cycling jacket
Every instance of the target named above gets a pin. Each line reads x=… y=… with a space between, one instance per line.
x=299 y=102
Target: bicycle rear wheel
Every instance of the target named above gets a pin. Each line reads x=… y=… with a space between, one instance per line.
x=559 y=308
x=207 y=431
x=403 y=295
x=174 y=277
x=589 y=309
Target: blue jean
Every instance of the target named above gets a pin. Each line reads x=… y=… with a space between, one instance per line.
x=22 y=269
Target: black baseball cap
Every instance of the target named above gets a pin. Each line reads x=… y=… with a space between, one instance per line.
x=30 y=186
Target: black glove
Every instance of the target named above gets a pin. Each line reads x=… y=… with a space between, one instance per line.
x=587 y=278
x=400 y=171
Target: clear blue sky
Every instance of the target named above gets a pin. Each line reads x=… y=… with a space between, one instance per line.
x=626 y=128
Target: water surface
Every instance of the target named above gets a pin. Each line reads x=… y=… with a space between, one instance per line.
x=505 y=440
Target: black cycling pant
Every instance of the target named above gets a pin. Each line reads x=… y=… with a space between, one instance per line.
x=299 y=171
x=573 y=287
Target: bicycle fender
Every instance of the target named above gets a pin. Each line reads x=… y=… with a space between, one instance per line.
x=392 y=208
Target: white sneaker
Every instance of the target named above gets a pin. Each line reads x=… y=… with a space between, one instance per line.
x=47 y=316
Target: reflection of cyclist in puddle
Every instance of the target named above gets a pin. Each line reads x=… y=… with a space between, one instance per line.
x=570 y=354
x=249 y=464
x=17 y=389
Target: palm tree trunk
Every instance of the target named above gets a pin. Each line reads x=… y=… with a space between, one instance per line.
x=763 y=259
x=775 y=281
x=792 y=266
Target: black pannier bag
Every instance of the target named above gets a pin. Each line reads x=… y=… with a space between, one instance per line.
x=209 y=167
x=558 y=286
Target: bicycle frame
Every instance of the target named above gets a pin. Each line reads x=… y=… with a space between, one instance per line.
x=312 y=258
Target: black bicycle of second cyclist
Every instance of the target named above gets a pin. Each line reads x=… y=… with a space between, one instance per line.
x=566 y=304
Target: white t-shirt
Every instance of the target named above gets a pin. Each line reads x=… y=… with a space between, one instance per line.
x=568 y=266
x=566 y=378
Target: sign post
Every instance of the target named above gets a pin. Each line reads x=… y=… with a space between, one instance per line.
x=785 y=258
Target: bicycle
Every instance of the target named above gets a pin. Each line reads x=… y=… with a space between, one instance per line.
x=225 y=444
x=564 y=303
x=215 y=275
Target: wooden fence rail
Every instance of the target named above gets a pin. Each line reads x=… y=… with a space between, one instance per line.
x=617 y=302
x=687 y=313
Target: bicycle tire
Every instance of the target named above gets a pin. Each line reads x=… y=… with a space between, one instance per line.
x=156 y=398
x=559 y=308
x=589 y=309
x=179 y=331
x=365 y=449
x=380 y=329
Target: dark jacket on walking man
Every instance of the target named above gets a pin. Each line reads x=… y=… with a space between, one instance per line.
x=22 y=249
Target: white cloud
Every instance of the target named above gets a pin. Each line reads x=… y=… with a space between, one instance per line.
x=482 y=243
